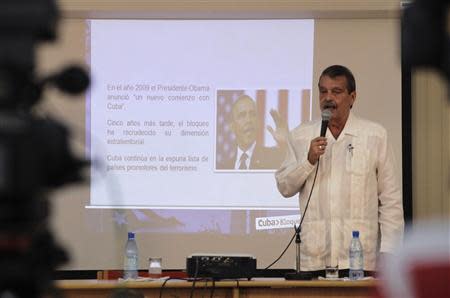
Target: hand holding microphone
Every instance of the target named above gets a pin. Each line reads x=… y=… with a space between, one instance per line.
x=319 y=144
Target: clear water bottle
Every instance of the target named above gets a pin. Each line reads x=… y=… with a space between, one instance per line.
x=356 y=258
x=130 y=260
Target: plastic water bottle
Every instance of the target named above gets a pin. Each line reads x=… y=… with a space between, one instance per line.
x=130 y=260
x=356 y=258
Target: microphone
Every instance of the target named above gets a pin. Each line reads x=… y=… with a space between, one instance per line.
x=326 y=115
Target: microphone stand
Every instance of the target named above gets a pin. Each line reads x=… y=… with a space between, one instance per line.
x=298 y=275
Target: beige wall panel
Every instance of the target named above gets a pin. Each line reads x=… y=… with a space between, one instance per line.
x=430 y=117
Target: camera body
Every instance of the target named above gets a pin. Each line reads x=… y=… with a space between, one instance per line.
x=35 y=156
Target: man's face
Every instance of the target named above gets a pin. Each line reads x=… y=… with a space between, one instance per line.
x=333 y=92
x=244 y=123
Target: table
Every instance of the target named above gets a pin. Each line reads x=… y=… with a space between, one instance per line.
x=256 y=288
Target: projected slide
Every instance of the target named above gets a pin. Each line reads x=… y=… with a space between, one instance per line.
x=181 y=113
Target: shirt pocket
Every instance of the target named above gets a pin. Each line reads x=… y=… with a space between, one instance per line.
x=313 y=236
x=357 y=161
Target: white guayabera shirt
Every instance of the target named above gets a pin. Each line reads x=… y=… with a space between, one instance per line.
x=356 y=189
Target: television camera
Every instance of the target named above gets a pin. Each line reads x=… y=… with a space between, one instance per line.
x=35 y=156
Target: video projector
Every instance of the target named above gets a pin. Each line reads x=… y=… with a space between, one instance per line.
x=218 y=266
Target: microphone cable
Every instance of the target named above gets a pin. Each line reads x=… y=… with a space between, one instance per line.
x=213 y=288
x=162 y=287
x=191 y=295
x=301 y=221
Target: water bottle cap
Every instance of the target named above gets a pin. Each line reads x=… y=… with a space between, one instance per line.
x=130 y=235
x=355 y=234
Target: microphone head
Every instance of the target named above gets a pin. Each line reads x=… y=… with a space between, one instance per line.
x=326 y=115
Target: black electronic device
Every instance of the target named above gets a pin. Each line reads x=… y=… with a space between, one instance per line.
x=220 y=266
x=35 y=155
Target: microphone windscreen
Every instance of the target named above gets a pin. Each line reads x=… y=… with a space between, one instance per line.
x=326 y=115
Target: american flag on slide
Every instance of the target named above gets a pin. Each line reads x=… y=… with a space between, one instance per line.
x=293 y=104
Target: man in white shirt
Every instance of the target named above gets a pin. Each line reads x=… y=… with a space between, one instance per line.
x=356 y=186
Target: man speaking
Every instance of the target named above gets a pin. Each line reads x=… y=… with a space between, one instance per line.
x=356 y=187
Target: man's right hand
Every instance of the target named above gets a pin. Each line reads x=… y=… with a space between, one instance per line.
x=316 y=149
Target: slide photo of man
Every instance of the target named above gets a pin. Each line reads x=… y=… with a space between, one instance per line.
x=240 y=133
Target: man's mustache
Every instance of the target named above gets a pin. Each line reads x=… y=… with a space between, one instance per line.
x=329 y=104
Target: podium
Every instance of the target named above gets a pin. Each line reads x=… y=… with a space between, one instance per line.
x=257 y=288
